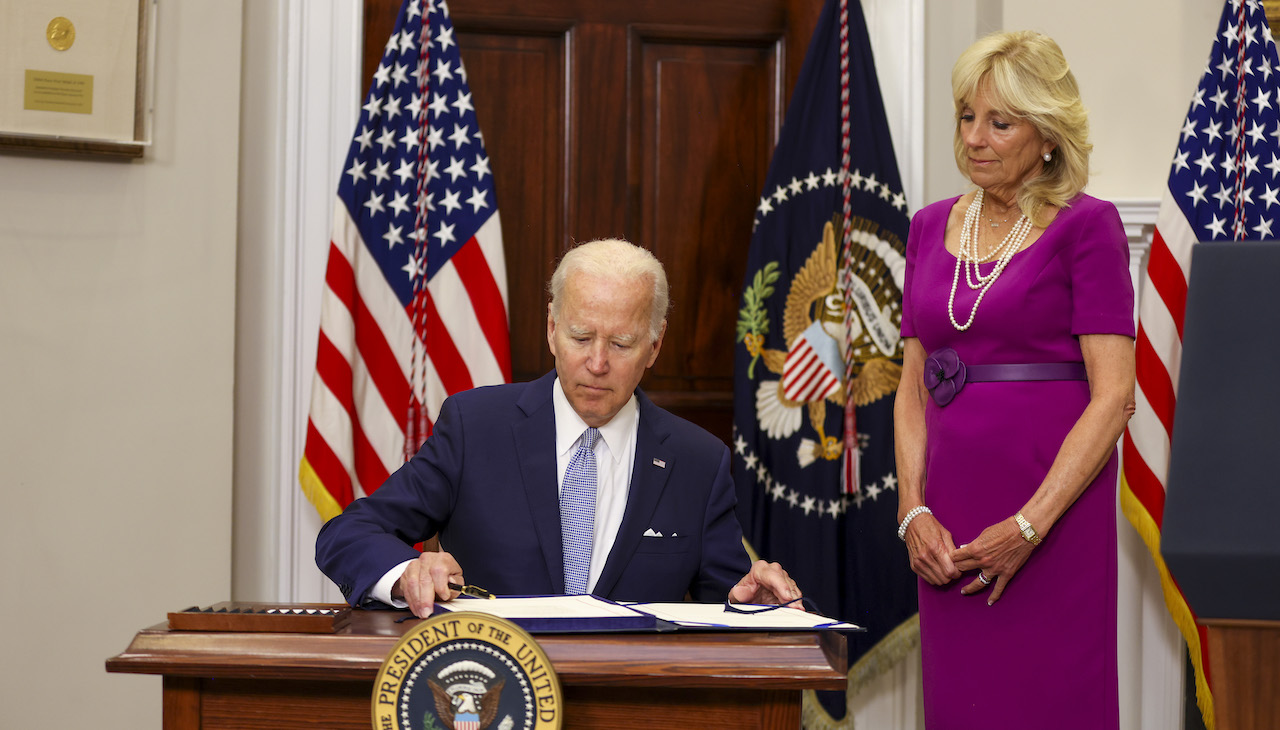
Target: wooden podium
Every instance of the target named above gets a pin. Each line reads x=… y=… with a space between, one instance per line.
x=276 y=681
x=1218 y=533
x=1244 y=663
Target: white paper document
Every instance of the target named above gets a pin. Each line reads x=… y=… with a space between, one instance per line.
x=582 y=607
x=760 y=618
x=586 y=613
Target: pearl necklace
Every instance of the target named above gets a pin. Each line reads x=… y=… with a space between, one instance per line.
x=968 y=258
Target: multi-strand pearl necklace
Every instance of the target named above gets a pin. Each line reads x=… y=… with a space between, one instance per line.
x=968 y=258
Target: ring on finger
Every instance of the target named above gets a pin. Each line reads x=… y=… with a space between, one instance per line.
x=983 y=579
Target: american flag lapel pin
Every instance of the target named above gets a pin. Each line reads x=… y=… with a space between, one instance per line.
x=659 y=463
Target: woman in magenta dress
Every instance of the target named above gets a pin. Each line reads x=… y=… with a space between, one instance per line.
x=1017 y=381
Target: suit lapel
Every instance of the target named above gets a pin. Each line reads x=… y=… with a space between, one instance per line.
x=647 y=482
x=535 y=440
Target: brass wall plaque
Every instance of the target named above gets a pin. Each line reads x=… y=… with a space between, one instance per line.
x=77 y=77
x=51 y=91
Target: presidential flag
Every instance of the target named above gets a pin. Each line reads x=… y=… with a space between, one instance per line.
x=415 y=297
x=819 y=328
x=1223 y=186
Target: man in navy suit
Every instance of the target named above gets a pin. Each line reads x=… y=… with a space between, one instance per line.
x=488 y=481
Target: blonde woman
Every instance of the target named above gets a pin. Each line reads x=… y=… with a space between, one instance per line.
x=1017 y=381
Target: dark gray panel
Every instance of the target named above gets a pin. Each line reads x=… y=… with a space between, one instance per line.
x=1221 y=538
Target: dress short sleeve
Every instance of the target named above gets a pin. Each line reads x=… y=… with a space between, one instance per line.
x=1101 y=288
x=913 y=245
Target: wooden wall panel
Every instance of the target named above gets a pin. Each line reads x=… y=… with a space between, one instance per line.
x=525 y=135
x=599 y=194
x=706 y=107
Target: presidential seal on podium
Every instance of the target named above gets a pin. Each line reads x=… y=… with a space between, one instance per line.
x=466 y=671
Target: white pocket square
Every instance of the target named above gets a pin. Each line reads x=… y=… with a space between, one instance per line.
x=651 y=533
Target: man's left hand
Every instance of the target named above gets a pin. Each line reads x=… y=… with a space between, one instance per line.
x=766 y=583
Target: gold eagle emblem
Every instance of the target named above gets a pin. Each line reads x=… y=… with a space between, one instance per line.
x=816 y=297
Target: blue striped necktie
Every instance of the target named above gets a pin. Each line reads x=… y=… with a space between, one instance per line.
x=578 y=513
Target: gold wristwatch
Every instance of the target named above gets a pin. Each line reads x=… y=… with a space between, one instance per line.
x=1028 y=532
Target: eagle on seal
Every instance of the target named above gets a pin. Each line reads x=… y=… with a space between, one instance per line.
x=813 y=366
x=480 y=709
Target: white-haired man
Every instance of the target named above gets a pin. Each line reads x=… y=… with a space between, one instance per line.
x=572 y=483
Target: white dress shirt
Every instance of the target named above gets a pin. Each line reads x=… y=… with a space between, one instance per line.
x=615 y=454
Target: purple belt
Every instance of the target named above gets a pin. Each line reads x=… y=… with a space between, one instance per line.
x=945 y=374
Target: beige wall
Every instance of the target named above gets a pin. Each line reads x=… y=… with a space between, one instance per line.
x=949 y=28
x=1137 y=62
x=259 y=312
x=117 y=305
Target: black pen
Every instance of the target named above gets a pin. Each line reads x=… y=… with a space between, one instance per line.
x=473 y=591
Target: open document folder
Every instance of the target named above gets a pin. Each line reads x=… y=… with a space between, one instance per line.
x=547 y=614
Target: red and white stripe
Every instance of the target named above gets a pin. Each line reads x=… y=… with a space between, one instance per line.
x=359 y=417
x=1147 y=439
x=805 y=377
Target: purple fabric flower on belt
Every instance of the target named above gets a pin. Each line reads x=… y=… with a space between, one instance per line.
x=943 y=375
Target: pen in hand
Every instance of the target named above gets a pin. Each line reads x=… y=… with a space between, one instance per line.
x=473 y=591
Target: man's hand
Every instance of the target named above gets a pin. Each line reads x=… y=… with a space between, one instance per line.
x=427 y=580
x=766 y=583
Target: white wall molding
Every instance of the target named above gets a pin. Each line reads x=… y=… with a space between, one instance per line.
x=896 y=28
x=1150 y=647
x=1139 y=218
x=318 y=112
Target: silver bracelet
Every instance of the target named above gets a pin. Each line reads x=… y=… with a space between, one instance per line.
x=914 y=513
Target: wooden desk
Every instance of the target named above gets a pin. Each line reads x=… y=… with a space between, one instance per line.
x=700 y=680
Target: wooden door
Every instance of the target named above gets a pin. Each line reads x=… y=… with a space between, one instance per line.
x=652 y=120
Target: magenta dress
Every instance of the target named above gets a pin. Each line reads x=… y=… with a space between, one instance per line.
x=1044 y=656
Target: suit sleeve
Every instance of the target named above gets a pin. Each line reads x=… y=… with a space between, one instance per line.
x=378 y=532
x=724 y=559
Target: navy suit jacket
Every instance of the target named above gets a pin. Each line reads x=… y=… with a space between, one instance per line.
x=485 y=482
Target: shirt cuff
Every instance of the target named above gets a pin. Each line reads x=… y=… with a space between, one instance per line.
x=382 y=589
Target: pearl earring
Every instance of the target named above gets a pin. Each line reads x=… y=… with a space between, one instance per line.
x=1048 y=157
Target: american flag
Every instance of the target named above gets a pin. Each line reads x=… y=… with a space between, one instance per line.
x=1224 y=185
x=415 y=299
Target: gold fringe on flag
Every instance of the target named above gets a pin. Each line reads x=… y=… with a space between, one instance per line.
x=324 y=502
